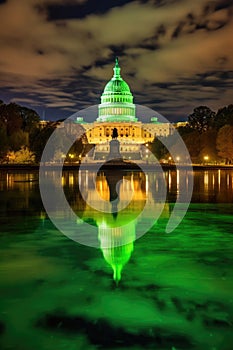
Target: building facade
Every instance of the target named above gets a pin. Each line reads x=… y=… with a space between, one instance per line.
x=117 y=110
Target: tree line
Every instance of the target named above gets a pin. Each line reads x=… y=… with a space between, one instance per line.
x=23 y=138
x=207 y=135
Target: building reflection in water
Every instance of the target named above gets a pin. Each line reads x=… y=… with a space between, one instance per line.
x=117 y=229
x=116 y=235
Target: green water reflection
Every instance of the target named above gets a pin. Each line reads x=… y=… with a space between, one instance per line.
x=174 y=290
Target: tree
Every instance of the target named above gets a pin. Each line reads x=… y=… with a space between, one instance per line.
x=18 y=139
x=3 y=141
x=38 y=140
x=158 y=149
x=30 y=118
x=10 y=116
x=24 y=155
x=224 y=143
x=193 y=144
x=201 y=119
x=224 y=116
x=77 y=147
x=208 y=145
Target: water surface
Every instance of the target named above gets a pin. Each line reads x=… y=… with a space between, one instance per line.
x=161 y=291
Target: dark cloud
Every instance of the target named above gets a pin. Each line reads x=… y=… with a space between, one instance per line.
x=212 y=18
x=59 y=54
x=82 y=9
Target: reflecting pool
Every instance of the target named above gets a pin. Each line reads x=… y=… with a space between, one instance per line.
x=160 y=291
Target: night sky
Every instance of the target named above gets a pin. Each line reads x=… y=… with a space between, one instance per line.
x=56 y=56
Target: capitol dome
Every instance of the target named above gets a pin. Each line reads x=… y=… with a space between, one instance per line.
x=117 y=85
x=117 y=100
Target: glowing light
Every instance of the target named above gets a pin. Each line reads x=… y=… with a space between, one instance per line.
x=169 y=180
x=228 y=180
x=71 y=179
x=206 y=179
x=219 y=178
x=178 y=181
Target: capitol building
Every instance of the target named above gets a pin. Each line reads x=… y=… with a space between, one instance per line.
x=117 y=110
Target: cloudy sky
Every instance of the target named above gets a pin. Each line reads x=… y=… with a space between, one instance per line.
x=57 y=55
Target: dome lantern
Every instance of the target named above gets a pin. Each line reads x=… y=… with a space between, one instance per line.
x=117 y=69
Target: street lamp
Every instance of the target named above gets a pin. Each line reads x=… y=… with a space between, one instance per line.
x=206 y=158
x=178 y=159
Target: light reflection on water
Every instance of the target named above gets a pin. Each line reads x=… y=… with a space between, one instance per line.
x=209 y=185
x=174 y=290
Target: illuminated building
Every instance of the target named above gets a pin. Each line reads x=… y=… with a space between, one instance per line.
x=117 y=110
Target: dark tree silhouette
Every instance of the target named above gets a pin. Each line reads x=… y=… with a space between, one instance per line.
x=224 y=143
x=30 y=118
x=201 y=119
x=38 y=140
x=224 y=116
x=158 y=149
